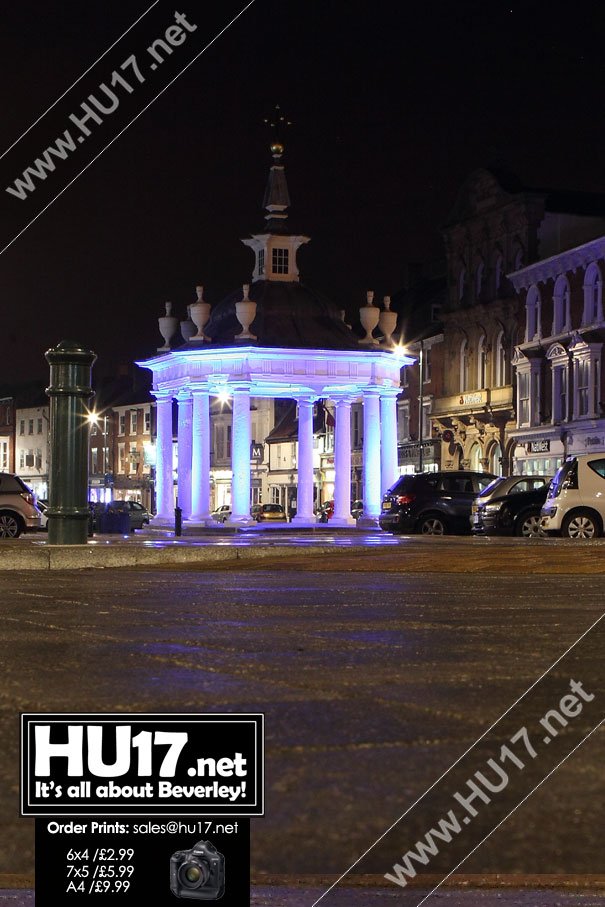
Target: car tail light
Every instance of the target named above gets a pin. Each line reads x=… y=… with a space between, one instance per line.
x=405 y=498
x=28 y=497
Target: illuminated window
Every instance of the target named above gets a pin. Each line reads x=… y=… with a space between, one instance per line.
x=4 y=455
x=403 y=422
x=121 y=457
x=279 y=261
x=482 y=363
x=463 y=366
x=561 y=314
x=147 y=420
x=122 y=424
x=133 y=421
x=30 y=427
x=133 y=456
x=500 y=360
x=261 y=261
x=523 y=397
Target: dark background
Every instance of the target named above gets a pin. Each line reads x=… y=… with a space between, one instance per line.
x=393 y=105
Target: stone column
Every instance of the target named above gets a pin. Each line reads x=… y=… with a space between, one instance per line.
x=304 y=461
x=164 y=485
x=371 y=458
x=241 y=438
x=388 y=439
x=342 y=464
x=185 y=438
x=200 y=459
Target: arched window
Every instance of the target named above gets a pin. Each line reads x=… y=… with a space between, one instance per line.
x=518 y=257
x=462 y=284
x=464 y=366
x=593 y=295
x=475 y=458
x=479 y=280
x=561 y=318
x=500 y=350
x=482 y=362
x=532 y=307
x=498 y=269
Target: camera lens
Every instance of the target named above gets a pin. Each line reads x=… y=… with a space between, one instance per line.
x=193 y=874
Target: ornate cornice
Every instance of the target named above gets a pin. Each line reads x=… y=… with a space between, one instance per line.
x=551 y=268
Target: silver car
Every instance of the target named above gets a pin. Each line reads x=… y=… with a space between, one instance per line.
x=18 y=510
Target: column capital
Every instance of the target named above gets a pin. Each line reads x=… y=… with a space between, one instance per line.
x=239 y=387
x=162 y=396
x=343 y=401
x=307 y=400
x=374 y=390
x=184 y=395
x=390 y=392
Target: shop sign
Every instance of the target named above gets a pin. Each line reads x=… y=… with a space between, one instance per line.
x=540 y=446
x=471 y=399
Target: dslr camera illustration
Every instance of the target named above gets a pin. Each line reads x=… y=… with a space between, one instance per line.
x=198 y=873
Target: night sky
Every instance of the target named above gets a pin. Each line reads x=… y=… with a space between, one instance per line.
x=393 y=105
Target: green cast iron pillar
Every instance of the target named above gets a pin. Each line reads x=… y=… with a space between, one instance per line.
x=69 y=391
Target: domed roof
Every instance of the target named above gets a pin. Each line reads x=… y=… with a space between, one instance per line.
x=288 y=314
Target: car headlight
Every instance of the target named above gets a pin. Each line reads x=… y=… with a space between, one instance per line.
x=549 y=512
x=492 y=508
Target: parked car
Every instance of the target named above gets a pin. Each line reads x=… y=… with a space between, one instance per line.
x=575 y=503
x=42 y=506
x=357 y=509
x=139 y=515
x=325 y=511
x=510 y=506
x=270 y=512
x=222 y=513
x=432 y=503
x=18 y=510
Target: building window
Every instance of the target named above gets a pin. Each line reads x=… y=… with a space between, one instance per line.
x=582 y=386
x=94 y=461
x=133 y=456
x=30 y=426
x=3 y=455
x=405 y=376
x=357 y=427
x=427 y=364
x=121 y=457
x=426 y=420
x=21 y=459
x=462 y=284
x=523 y=397
x=93 y=429
x=560 y=392
x=498 y=268
x=593 y=290
x=38 y=462
x=482 y=363
x=122 y=424
x=500 y=360
x=518 y=258
x=279 y=261
x=39 y=426
x=479 y=279
x=403 y=423
x=532 y=309
x=219 y=440
x=147 y=421
x=464 y=366
x=22 y=427
x=561 y=320
x=228 y=441
x=261 y=262
x=134 y=421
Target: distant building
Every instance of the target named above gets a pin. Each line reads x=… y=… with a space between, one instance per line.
x=7 y=434
x=559 y=360
x=497 y=227
x=32 y=446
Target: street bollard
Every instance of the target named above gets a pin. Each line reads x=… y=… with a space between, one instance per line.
x=178 y=520
x=69 y=390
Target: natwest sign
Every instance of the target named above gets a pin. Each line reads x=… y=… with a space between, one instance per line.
x=471 y=399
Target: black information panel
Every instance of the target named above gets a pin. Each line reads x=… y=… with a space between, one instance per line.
x=160 y=765
x=142 y=808
x=143 y=861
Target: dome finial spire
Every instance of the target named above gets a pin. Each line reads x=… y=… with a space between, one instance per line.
x=277 y=199
x=278 y=123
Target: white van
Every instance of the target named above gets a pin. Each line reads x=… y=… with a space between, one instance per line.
x=575 y=505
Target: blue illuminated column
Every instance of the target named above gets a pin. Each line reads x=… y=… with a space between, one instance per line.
x=164 y=485
x=185 y=404
x=241 y=438
x=304 y=463
x=371 y=457
x=200 y=458
x=388 y=438
x=342 y=464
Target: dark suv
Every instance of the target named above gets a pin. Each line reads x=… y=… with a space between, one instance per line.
x=432 y=503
